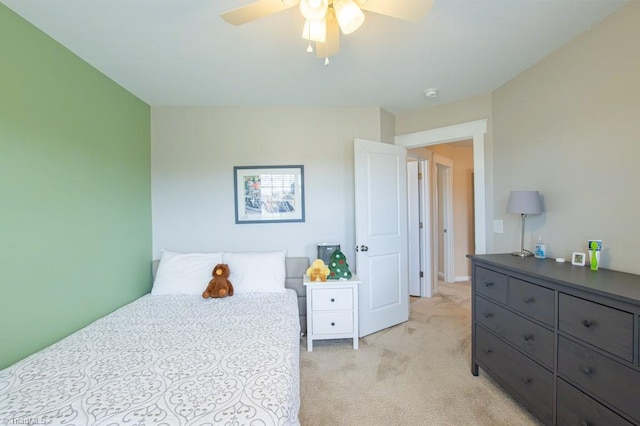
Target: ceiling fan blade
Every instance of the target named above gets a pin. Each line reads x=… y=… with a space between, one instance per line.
x=256 y=10
x=331 y=45
x=409 y=10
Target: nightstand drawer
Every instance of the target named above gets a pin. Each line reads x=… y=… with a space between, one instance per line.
x=602 y=376
x=531 y=338
x=332 y=299
x=532 y=300
x=577 y=408
x=607 y=328
x=332 y=322
x=491 y=284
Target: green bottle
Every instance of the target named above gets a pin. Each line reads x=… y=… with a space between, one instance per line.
x=594 y=255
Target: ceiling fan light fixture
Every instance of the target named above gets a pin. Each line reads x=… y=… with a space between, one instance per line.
x=290 y=3
x=314 y=10
x=315 y=30
x=349 y=15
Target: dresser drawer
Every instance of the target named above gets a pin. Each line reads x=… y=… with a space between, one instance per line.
x=607 y=328
x=531 y=338
x=332 y=299
x=332 y=322
x=532 y=300
x=533 y=383
x=610 y=380
x=576 y=408
x=491 y=284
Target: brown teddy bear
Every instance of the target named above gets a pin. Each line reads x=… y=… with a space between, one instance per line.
x=219 y=286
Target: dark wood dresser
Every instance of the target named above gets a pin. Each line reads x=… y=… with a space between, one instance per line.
x=561 y=339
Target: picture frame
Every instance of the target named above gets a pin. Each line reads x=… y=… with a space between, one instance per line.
x=578 y=258
x=269 y=194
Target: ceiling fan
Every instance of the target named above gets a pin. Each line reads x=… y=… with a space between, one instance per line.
x=325 y=18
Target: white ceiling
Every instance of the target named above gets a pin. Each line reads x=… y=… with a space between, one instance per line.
x=180 y=52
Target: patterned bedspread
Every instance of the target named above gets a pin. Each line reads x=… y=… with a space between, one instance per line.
x=167 y=360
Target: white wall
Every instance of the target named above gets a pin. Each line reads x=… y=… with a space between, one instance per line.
x=467 y=110
x=194 y=150
x=462 y=186
x=569 y=127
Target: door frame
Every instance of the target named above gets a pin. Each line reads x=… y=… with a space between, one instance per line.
x=475 y=130
x=426 y=260
x=424 y=216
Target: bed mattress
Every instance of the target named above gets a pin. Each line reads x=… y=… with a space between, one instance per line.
x=172 y=360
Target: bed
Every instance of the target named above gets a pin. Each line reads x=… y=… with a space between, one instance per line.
x=173 y=359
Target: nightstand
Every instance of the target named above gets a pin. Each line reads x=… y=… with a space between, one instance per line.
x=332 y=310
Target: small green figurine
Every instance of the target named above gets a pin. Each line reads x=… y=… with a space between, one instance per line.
x=338 y=267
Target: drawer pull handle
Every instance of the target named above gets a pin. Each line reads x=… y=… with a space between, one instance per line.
x=488 y=284
x=333 y=324
x=529 y=338
x=588 y=371
x=587 y=323
x=488 y=315
x=333 y=300
x=488 y=351
x=529 y=300
x=527 y=380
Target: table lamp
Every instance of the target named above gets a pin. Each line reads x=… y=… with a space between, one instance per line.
x=524 y=203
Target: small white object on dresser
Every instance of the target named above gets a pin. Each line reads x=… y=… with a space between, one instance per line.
x=332 y=310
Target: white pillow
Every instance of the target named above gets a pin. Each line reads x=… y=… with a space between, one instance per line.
x=256 y=272
x=184 y=273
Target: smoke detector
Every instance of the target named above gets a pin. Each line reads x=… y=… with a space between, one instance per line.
x=431 y=93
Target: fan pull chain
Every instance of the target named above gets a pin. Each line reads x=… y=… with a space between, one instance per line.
x=309 y=48
x=326 y=57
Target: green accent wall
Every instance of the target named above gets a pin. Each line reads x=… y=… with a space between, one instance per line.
x=75 y=192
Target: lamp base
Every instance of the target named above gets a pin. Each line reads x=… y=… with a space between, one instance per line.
x=523 y=253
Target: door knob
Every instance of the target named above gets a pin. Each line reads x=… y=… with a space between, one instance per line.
x=364 y=248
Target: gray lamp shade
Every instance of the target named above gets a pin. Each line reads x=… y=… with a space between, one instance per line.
x=524 y=202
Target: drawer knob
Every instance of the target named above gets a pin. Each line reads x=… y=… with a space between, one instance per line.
x=488 y=315
x=488 y=351
x=588 y=371
x=527 y=380
x=488 y=284
x=529 y=338
x=333 y=324
x=587 y=323
x=333 y=300
x=529 y=300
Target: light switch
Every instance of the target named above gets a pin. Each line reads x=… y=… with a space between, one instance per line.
x=498 y=226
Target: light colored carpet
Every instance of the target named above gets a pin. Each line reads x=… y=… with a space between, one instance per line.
x=416 y=373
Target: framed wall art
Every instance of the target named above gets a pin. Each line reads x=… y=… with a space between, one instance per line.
x=268 y=194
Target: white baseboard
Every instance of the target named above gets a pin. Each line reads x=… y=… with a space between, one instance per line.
x=456 y=279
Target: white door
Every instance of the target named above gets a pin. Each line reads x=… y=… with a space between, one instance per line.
x=381 y=234
x=426 y=284
x=413 y=216
x=444 y=237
